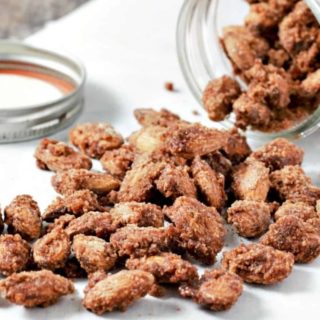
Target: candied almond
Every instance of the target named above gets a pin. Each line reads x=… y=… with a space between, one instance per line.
x=55 y=156
x=291 y=183
x=133 y=241
x=258 y=263
x=165 y=267
x=138 y=182
x=118 y=291
x=250 y=218
x=93 y=253
x=77 y=203
x=14 y=254
x=140 y=214
x=35 y=288
x=279 y=153
x=67 y=182
x=209 y=182
x=236 y=149
x=299 y=29
x=262 y=18
x=243 y=47
x=250 y=112
x=219 y=289
x=219 y=96
x=291 y=234
x=94 y=139
x=251 y=181
x=174 y=181
x=52 y=250
x=149 y=139
x=118 y=161
x=150 y=117
x=196 y=228
x=298 y=209
x=99 y=224
x=22 y=216
x=191 y=140
x=311 y=84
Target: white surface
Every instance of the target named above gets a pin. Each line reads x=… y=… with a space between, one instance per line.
x=31 y=91
x=128 y=47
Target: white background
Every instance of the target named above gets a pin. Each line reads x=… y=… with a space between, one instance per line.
x=128 y=48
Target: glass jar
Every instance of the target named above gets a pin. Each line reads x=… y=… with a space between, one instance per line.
x=202 y=57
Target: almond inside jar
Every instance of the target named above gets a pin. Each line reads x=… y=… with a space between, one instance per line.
x=276 y=52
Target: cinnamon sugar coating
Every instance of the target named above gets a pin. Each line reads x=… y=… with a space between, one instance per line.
x=35 y=288
x=133 y=241
x=93 y=253
x=140 y=214
x=250 y=112
x=118 y=161
x=218 y=290
x=138 y=182
x=279 y=153
x=149 y=139
x=258 y=263
x=263 y=18
x=191 y=140
x=14 y=254
x=52 y=250
x=196 y=228
x=209 y=182
x=77 y=203
x=298 y=209
x=310 y=85
x=291 y=234
x=174 y=181
x=56 y=156
x=67 y=182
x=299 y=29
x=150 y=117
x=251 y=181
x=165 y=267
x=22 y=216
x=219 y=96
x=99 y=224
x=118 y=291
x=237 y=148
x=291 y=183
x=250 y=218
x=94 y=139
x=243 y=47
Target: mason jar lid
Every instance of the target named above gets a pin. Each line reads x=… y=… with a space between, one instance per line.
x=41 y=91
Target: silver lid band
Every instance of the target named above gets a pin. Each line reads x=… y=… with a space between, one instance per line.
x=30 y=122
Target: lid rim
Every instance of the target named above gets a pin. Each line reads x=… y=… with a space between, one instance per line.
x=64 y=109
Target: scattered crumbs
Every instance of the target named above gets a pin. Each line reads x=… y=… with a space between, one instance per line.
x=195 y=112
x=169 y=86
